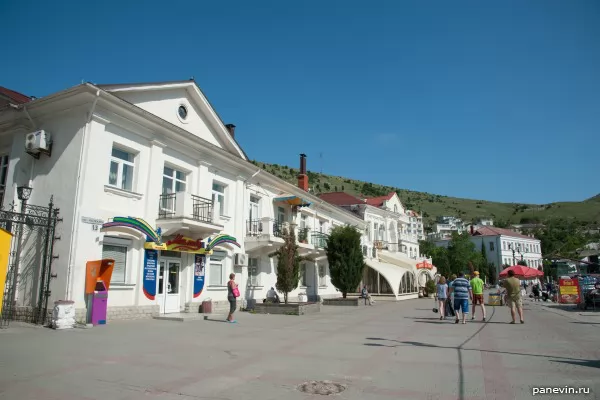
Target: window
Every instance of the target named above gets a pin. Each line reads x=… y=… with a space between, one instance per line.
x=503 y=245
x=253 y=212
x=216 y=269
x=395 y=208
x=173 y=180
x=115 y=249
x=218 y=198
x=303 y=220
x=303 y=279
x=121 y=169
x=3 y=175
x=491 y=246
x=253 y=273
x=183 y=112
x=322 y=274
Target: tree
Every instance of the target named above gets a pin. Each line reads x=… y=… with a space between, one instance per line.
x=345 y=258
x=461 y=252
x=288 y=264
x=522 y=262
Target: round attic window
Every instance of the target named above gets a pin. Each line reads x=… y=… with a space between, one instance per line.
x=183 y=112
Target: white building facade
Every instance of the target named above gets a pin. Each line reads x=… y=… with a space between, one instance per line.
x=392 y=254
x=159 y=154
x=504 y=247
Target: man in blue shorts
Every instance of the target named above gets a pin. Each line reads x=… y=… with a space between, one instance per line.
x=462 y=293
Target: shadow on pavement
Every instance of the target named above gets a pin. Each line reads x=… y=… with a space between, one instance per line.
x=587 y=323
x=581 y=363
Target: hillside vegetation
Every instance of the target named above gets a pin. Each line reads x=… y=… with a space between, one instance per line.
x=432 y=205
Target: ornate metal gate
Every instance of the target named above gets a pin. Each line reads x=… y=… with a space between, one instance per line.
x=27 y=287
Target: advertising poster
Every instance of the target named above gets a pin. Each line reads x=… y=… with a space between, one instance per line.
x=149 y=283
x=569 y=292
x=199 y=269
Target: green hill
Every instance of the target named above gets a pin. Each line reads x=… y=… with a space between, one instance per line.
x=433 y=205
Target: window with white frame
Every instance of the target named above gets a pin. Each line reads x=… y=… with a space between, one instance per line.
x=322 y=275
x=216 y=269
x=3 y=176
x=254 y=210
x=491 y=246
x=253 y=272
x=121 y=169
x=218 y=198
x=116 y=249
x=173 y=180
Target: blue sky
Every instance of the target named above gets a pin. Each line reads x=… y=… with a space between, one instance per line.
x=487 y=100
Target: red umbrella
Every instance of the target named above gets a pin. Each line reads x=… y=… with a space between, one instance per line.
x=522 y=272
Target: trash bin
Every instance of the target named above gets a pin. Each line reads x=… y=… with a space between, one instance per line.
x=99 y=304
x=207 y=306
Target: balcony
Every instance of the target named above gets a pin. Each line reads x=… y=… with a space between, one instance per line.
x=319 y=240
x=264 y=233
x=185 y=212
x=408 y=237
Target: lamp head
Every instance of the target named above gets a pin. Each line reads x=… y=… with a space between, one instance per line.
x=24 y=192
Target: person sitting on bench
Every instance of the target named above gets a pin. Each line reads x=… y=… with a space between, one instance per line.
x=364 y=293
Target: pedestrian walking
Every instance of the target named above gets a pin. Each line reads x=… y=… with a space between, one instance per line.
x=232 y=294
x=442 y=296
x=450 y=301
x=514 y=299
x=477 y=287
x=365 y=295
x=461 y=288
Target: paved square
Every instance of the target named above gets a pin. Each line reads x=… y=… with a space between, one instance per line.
x=388 y=351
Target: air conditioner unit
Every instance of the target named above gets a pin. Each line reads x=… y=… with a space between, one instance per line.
x=241 y=260
x=37 y=142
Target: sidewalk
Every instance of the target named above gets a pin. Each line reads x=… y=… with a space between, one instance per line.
x=568 y=311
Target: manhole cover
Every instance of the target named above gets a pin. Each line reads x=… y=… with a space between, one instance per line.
x=324 y=388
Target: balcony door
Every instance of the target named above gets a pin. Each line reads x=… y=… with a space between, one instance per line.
x=254 y=215
x=174 y=181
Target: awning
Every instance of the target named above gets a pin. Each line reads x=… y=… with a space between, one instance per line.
x=292 y=200
x=392 y=273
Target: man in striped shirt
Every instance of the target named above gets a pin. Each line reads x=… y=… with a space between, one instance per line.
x=462 y=293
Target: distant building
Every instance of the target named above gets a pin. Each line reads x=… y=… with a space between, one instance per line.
x=504 y=247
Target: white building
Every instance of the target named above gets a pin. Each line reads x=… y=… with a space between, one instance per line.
x=504 y=247
x=155 y=152
x=392 y=253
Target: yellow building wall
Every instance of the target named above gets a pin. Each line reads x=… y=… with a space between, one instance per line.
x=5 y=239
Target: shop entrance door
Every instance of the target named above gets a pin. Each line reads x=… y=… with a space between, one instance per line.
x=168 y=285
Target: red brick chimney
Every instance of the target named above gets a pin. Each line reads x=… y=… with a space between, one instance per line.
x=231 y=129
x=302 y=177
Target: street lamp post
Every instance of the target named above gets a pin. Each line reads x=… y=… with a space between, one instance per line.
x=23 y=193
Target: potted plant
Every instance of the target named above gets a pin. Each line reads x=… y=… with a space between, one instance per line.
x=430 y=289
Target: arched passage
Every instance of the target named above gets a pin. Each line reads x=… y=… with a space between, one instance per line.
x=408 y=284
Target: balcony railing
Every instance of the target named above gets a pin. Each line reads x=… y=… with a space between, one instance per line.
x=254 y=227
x=277 y=229
x=186 y=205
x=319 y=240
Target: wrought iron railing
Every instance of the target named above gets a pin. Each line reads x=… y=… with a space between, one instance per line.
x=277 y=229
x=319 y=240
x=201 y=208
x=166 y=205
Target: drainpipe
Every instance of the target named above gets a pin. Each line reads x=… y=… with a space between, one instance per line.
x=75 y=226
x=34 y=126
